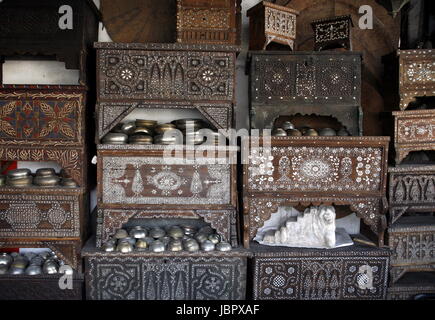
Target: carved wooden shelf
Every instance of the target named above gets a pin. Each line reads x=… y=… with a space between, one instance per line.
x=269 y=22
x=215 y=22
x=165 y=276
x=313 y=170
x=412 y=240
x=353 y=273
x=332 y=33
x=411 y=189
x=322 y=83
x=412 y=285
x=31 y=28
x=413 y=131
x=45 y=123
x=416 y=75
x=40 y=287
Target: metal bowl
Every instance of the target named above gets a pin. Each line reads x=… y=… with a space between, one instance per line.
x=145 y=123
x=201 y=237
x=207 y=246
x=16 y=271
x=162 y=128
x=115 y=138
x=327 y=132
x=175 y=232
x=108 y=247
x=138 y=233
x=311 y=133
x=140 y=138
x=124 y=247
x=19 y=182
x=168 y=140
x=215 y=238
x=33 y=270
x=68 y=183
x=157 y=246
x=343 y=132
x=128 y=127
x=121 y=234
x=190 y=124
x=18 y=173
x=287 y=125
x=46 y=181
x=175 y=245
x=45 y=172
x=157 y=233
x=191 y=245
x=3 y=269
x=5 y=259
x=223 y=246
x=50 y=267
x=142 y=130
x=279 y=132
x=294 y=133
x=141 y=244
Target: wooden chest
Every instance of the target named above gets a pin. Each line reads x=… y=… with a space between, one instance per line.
x=351 y=273
x=412 y=240
x=140 y=182
x=168 y=76
x=45 y=123
x=413 y=131
x=215 y=22
x=411 y=189
x=332 y=33
x=287 y=171
x=165 y=276
x=321 y=83
x=416 y=75
x=43 y=287
x=65 y=29
x=413 y=286
x=269 y=22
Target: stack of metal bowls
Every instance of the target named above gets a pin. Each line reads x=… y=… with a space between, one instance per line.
x=288 y=129
x=46 y=177
x=19 y=178
x=29 y=263
x=68 y=182
x=173 y=239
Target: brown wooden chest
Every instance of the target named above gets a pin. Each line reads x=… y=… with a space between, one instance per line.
x=289 y=171
x=413 y=131
x=351 y=273
x=321 y=83
x=411 y=189
x=215 y=22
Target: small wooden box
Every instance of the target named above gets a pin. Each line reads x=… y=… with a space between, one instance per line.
x=413 y=131
x=353 y=273
x=321 y=83
x=43 y=287
x=332 y=33
x=215 y=22
x=288 y=171
x=33 y=28
x=412 y=240
x=165 y=276
x=411 y=189
x=416 y=75
x=269 y=22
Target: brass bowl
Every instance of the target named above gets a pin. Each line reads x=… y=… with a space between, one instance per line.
x=190 y=124
x=157 y=233
x=46 y=181
x=171 y=140
x=141 y=244
x=128 y=127
x=327 y=132
x=287 y=125
x=279 y=132
x=142 y=130
x=68 y=183
x=138 y=233
x=311 y=133
x=124 y=247
x=143 y=139
x=175 y=232
x=121 y=234
x=20 y=182
x=115 y=138
x=45 y=172
x=175 y=245
x=18 y=173
x=294 y=133
x=162 y=128
x=150 y=124
x=157 y=246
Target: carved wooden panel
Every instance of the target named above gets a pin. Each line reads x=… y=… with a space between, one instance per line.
x=414 y=131
x=41 y=213
x=43 y=287
x=42 y=115
x=269 y=22
x=412 y=240
x=412 y=189
x=417 y=75
x=30 y=28
x=351 y=273
x=332 y=32
x=142 y=176
x=110 y=220
x=220 y=115
x=216 y=22
x=301 y=80
x=161 y=277
x=176 y=72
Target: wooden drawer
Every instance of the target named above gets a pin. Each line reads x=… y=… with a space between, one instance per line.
x=412 y=240
x=413 y=131
x=416 y=75
x=43 y=287
x=411 y=189
x=217 y=22
x=181 y=276
x=141 y=177
x=159 y=72
x=48 y=213
x=351 y=273
x=225 y=222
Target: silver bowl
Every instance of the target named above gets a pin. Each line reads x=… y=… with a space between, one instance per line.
x=45 y=172
x=115 y=138
x=33 y=270
x=121 y=234
x=223 y=246
x=157 y=233
x=327 y=132
x=175 y=232
x=207 y=246
x=191 y=245
x=124 y=247
x=5 y=259
x=138 y=233
x=157 y=246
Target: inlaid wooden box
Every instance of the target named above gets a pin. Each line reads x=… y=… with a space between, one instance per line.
x=413 y=286
x=165 y=276
x=352 y=273
x=43 y=287
x=288 y=171
x=33 y=28
x=416 y=75
x=269 y=22
x=45 y=123
x=412 y=240
x=411 y=189
x=215 y=22
x=332 y=32
x=413 y=131
x=171 y=76
x=321 y=83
